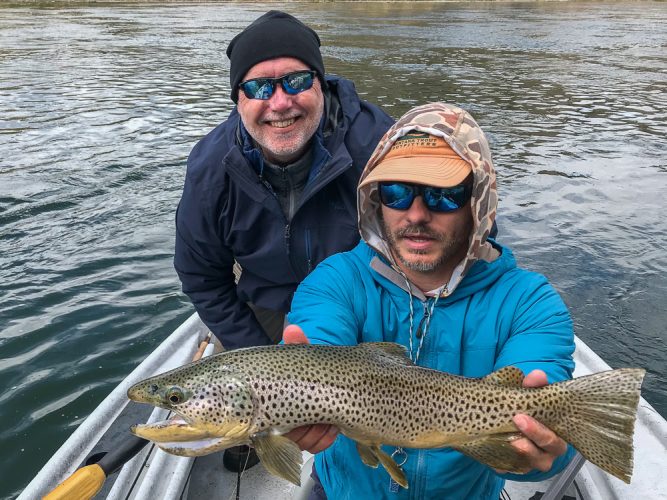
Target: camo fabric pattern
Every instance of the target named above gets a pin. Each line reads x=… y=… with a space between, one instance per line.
x=467 y=139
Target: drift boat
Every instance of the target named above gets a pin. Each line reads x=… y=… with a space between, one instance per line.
x=153 y=474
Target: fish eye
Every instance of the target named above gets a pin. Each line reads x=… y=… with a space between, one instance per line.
x=175 y=395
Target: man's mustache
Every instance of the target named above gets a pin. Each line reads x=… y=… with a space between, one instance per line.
x=417 y=230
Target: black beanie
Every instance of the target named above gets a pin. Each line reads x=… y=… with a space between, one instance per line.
x=275 y=34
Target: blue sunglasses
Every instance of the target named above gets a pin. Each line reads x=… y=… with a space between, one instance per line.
x=400 y=196
x=292 y=84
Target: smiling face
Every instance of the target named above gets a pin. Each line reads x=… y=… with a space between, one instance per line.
x=426 y=245
x=283 y=124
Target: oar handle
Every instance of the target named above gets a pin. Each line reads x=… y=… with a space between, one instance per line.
x=202 y=347
x=82 y=485
x=87 y=481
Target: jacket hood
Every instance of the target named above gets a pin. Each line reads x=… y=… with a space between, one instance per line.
x=467 y=139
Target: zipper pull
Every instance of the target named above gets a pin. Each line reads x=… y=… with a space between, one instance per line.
x=287 y=234
x=308 y=257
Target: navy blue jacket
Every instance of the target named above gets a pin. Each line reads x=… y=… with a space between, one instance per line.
x=227 y=212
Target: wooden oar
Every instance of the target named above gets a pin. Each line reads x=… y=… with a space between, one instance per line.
x=87 y=481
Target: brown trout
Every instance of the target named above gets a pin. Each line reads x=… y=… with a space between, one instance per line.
x=255 y=395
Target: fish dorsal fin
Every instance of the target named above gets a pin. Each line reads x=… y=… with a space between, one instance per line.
x=509 y=376
x=397 y=353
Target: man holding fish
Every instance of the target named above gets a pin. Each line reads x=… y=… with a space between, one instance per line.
x=427 y=276
x=272 y=188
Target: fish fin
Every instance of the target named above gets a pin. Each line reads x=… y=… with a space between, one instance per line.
x=280 y=455
x=509 y=376
x=496 y=451
x=390 y=465
x=367 y=455
x=598 y=417
x=395 y=352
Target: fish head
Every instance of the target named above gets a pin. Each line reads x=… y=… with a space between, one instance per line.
x=214 y=410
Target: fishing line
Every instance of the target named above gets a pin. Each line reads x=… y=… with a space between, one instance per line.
x=238 y=483
x=239 y=474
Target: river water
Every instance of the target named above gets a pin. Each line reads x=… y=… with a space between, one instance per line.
x=101 y=103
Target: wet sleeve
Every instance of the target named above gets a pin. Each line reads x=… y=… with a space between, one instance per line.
x=204 y=264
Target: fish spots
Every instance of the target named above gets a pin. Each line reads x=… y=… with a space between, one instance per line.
x=368 y=391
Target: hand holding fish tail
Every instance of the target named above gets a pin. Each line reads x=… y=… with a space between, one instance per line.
x=540 y=445
x=312 y=438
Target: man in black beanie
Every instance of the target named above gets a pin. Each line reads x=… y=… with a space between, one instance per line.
x=273 y=187
x=275 y=34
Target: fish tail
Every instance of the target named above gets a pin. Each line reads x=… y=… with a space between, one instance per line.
x=598 y=418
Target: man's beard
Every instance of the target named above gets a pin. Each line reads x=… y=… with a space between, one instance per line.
x=450 y=247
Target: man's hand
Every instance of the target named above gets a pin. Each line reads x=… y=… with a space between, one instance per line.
x=313 y=438
x=541 y=445
x=293 y=334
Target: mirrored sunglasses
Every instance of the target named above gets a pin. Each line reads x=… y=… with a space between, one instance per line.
x=399 y=196
x=292 y=83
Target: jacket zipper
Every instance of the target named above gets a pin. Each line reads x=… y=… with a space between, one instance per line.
x=308 y=256
x=292 y=201
x=293 y=208
x=287 y=235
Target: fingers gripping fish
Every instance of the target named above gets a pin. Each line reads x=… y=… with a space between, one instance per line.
x=255 y=395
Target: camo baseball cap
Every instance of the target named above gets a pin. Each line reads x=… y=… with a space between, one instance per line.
x=420 y=158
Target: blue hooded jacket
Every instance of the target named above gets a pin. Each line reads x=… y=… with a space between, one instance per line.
x=228 y=213
x=499 y=315
x=488 y=315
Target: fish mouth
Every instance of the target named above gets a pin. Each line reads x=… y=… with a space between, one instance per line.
x=180 y=437
x=175 y=429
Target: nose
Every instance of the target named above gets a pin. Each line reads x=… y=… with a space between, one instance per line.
x=418 y=213
x=280 y=100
